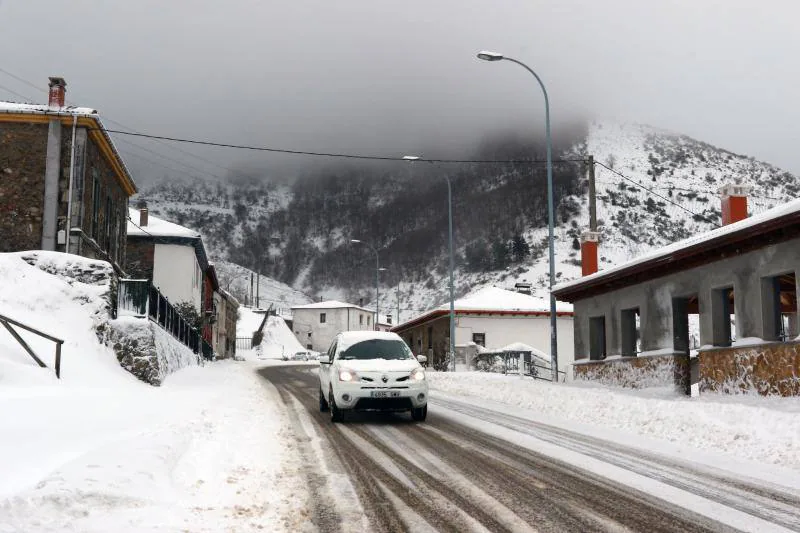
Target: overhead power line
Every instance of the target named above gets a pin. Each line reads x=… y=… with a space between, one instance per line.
x=338 y=155
x=654 y=193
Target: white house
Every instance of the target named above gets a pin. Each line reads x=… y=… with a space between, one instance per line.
x=315 y=325
x=172 y=256
x=493 y=318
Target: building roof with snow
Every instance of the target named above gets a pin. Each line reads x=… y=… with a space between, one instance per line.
x=84 y=117
x=492 y=301
x=331 y=304
x=157 y=227
x=775 y=225
x=160 y=231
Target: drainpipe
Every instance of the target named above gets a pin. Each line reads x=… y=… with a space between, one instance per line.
x=71 y=180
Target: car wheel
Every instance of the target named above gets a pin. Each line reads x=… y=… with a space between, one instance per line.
x=323 y=403
x=419 y=414
x=336 y=414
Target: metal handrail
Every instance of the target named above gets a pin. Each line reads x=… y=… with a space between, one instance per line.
x=8 y=322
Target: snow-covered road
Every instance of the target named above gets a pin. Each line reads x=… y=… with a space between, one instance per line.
x=476 y=469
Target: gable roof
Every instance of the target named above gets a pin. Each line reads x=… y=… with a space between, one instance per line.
x=159 y=231
x=491 y=301
x=778 y=224
x=87 y=118
x=157 y=227
x=331 y=304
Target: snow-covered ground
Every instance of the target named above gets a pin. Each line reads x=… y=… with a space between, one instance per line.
x=210 y=450
x=278 y=340
x=751 y=428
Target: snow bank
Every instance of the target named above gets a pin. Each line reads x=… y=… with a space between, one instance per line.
x=278 y=339
x=207 y=451
x=65 y=296
x=750 y=427
x=70 y=297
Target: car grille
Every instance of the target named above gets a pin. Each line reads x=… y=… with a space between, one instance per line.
x=383 y=404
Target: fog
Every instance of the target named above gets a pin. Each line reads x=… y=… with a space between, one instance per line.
x=394 y=78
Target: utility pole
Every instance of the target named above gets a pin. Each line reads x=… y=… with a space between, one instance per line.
x=251 y=289
x=398 y=303
x=258 y=290
x=592 y=196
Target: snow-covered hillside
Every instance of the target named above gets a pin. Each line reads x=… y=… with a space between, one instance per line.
x=669 y=191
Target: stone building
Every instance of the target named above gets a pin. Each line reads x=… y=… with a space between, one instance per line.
x=723 y=303
x=57 y=160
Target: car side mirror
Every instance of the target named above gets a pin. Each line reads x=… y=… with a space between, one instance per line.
x=324 y=360
x=422 y=359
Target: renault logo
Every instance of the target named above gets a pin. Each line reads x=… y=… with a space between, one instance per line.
x=385 y=378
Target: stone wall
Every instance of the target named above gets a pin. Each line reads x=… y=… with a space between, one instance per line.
x=103 y=217
x=768 y=369
x=637 y=372
x=23 y=149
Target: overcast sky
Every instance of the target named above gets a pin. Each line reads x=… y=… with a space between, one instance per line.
x=374 y=76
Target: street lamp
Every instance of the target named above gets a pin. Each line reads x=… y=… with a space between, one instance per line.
x=452 y=263
x=493 y=56
x=377 y=270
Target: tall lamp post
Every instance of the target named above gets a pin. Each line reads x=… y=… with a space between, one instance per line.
x=452 y=262
x=377 y=270
x=492 y=56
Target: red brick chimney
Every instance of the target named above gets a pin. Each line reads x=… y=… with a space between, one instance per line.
x=143 y=216
x=734 y=202
x=58 y=91
x=589 y=240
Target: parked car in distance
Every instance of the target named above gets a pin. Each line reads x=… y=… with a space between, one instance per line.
x=303 y=355
x=371 y=371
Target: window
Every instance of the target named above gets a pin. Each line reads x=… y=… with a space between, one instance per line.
x=322 y=318
x=308 y=347
x=631 y=336
x=360 y=320
x=479 y=338
x=779 y=307
x=107 y=225
x=309 y=334
x=378 y=349
x=95 y=205
x=597 y=337
x=723 y=316
x=369 y=321
x=430 y=337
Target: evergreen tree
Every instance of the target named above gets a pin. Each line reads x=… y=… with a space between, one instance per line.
x=501 y=254
x=520 y=249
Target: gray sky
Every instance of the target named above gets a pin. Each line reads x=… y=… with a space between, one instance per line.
x=374 y=76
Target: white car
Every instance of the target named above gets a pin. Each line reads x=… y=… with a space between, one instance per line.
x=371 y=371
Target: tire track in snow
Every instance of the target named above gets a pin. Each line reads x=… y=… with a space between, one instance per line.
x=543 y=493
x=748 y=496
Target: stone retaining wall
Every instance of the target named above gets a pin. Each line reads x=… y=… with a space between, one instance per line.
x=637 y=372
x=768 y=369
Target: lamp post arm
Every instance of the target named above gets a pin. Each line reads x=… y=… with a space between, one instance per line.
x=550 y=220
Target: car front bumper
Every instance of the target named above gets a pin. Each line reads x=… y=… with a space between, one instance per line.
x=369 y=397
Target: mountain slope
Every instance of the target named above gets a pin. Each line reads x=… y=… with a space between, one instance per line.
x=300 y=233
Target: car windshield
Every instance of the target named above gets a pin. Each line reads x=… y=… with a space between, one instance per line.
x=378 y=349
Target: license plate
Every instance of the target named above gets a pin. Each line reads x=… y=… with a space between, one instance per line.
x=385 y=394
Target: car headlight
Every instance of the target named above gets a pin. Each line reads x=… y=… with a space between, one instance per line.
x=418 y=374
x=347 y=375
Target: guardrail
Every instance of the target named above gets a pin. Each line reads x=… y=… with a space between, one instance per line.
x=9 y=324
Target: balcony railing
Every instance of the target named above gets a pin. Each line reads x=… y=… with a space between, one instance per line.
x=138 y=297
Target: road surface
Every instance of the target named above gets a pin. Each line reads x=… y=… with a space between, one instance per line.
x=386 y=473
